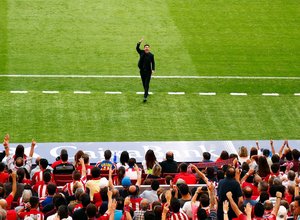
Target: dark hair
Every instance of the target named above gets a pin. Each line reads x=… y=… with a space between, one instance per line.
x=47 y=176
x=44 y=163
x=64 y=157
x=183 y=167
x=51 y=189
x=121 y=173
x=107 y=155
x=201 y=213
x=62 y=212
x=175 y=205
x=124 y=157
x=289 y=156
x=204 y=200
x=146 y=45
x=95 y=172
x=154 y=185
x=263 y=167
x=264 y=195
x=78 y=155
x=259 y=210
x=210 y=172
x=224 y=155
x=59 y=200
x=275 y=167
x=266 y=152
x=85 y=199
x=206 y=155
x=91 y=210
x=21 y=174
x=19 y=152
x=184 y=189
x=86 y=158
x=150 y=159
x=76 y=175
x=220 y=175
x=248 y=192
x=2 y=167
x=34 y=201
x=131 y=162
x=234 y=156
x=253 y=151
x=296 y=154
x=149 y=215
x=230 y=172
x=120 y=203
x=275 y=158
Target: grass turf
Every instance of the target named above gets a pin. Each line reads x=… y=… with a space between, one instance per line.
x=257 y=38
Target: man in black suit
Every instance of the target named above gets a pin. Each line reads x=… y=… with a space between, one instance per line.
x=146 y=65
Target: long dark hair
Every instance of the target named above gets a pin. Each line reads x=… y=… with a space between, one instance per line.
x=150 y=159
x=263 y=167
x=121 y=173
x=19 y=151
x=124 y=157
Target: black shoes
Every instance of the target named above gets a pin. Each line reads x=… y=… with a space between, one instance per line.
x=145 y=99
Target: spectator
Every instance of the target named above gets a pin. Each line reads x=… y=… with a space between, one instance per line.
x=229 y=184
x=33 y=212
x=151 y=195
x=187 y=177
x=223 y=156
x=51 y=190
x=88 y=167
x=206 y=157
x=106 y=164
x=247 y=191
x=131 y=171
x=144 y=206
x=263 y=167
x=156 y=172
x=93 y=185
x=117 y=180
x=51 y=210
x=150 y=160
x=77 y=156
x=80 y=214
x=62 y=166
x=124 y=158
x=243 y=154
x=169 y=165
x=185 y=194
x=3 y=175
x=38 y=176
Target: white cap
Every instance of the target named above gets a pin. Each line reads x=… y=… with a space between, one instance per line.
x=103 y=182
x=282 y=213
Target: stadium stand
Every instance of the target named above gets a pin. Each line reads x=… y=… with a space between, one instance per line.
x=255 y=184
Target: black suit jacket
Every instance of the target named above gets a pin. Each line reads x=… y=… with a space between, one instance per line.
x=146 y=61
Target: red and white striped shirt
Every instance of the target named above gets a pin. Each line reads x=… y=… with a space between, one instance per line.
x=178 y=216
x=69 y=186
x=135 y=203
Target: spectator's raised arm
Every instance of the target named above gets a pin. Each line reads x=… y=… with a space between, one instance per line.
x=233 y=205
x=272 y=147
x=201 y=175
x=83 y=168
x=277 y=204
x=139 y=175
x=110 y=180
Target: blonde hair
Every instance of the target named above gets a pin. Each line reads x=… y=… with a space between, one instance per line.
x=156 y=170
x=243 y=152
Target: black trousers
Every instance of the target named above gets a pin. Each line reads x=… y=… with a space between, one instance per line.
x=146 y=77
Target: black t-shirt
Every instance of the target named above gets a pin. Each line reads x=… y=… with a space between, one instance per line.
x=224 y=186
x=80 y=214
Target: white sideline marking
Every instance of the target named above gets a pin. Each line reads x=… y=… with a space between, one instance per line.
x=142 y=93
x=113 y=93
x=207 y=93
x=50 y=92
x=176 y=93
x=270 y=94
x=19 y=92
x=159 y=77
x=238 y=93
x=82 y=92
x=297 y=94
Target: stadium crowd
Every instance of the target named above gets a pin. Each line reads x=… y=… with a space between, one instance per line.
x=255 y=184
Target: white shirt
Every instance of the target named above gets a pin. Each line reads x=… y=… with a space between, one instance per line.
x=52 y=217
x=187 y=208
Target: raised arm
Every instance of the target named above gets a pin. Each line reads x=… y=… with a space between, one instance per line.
x=281 y=148
x=138 y=46
x=212 y=196
x=277 y=204
x=201 y=175
x=194 y=199
x=233 y=205
x=83 y=168
x=14 y=183
x=139 y=175
x=272 y=147
x=33 y=144
x=110 y=180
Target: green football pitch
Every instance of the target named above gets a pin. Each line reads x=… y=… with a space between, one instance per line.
x=250 y=39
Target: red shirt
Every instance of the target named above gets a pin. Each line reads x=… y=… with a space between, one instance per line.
x=255 y=191
x=135 y=203
x=35 y=214
x=187 y=177
x=56 y=163
x=3 y=177
x=87 y=167
x=11 y=214
x=9 y=199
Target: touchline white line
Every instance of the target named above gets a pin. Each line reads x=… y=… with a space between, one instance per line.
x=82 y=92
x=19 y=92
x=155 y=76
x=142 y=93
x=50 y=92
x=207 y=93
x=297 y=94
x=113 y=93
x=270 y=94
x=176 y=93
x=238 y=93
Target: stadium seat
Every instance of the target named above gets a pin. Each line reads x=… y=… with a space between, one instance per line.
x=62 y=179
